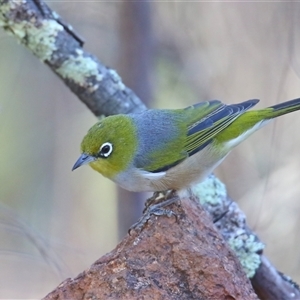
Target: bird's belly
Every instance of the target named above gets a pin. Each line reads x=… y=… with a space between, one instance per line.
x=136 y=180
x=193 y=169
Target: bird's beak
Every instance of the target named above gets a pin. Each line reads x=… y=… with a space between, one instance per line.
x=83 y=160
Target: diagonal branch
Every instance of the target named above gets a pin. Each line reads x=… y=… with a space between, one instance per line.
x=54 y=42
x=171 y=258
x=41 y=30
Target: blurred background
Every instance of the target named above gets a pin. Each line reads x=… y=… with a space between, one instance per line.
x=55 y=223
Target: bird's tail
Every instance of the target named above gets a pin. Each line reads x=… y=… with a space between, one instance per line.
x=284 y=108
x=252 y=120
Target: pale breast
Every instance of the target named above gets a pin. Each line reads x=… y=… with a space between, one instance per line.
x=193 y=169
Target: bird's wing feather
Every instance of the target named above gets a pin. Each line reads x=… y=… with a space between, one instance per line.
x=199 y=134
x=197 y=126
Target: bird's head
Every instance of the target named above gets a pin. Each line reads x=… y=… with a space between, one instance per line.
x=109 y=146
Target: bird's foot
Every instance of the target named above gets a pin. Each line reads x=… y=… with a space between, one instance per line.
x=155 y=209
x=158 y=197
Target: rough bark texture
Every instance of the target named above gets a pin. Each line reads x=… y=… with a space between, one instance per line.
x=53 y=42
x=171 y=258
x=168 y=259
x=271 y=284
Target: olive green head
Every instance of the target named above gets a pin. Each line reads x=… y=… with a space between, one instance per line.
x=109 y=146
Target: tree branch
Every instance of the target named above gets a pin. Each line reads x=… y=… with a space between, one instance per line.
x=41 y=30
x=186 y=257
x=171 y=258
x=267 y=282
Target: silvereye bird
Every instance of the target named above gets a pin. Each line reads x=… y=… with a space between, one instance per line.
x=158 y=150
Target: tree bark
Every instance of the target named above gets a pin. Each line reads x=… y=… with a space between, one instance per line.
x=169 y=258
x=181 y=257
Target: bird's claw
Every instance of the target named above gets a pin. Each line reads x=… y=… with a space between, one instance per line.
x=157 y=210
x=157 y=198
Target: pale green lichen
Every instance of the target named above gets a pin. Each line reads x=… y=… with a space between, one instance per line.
x=55 y=15
x=117 y=79
x=39 y=39
x=79 y=68
x=6 y=7
x=211 y=191
x=246 y=248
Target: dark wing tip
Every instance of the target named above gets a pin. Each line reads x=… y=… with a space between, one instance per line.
x=248 y=104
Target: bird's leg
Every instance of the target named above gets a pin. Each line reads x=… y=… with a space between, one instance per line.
x=152 y=200
x=158 y=197
x=155 y=209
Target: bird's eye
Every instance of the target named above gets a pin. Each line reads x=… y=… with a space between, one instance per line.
x=105 y=150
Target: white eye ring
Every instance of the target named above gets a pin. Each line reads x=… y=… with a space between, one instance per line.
x=105 y=150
